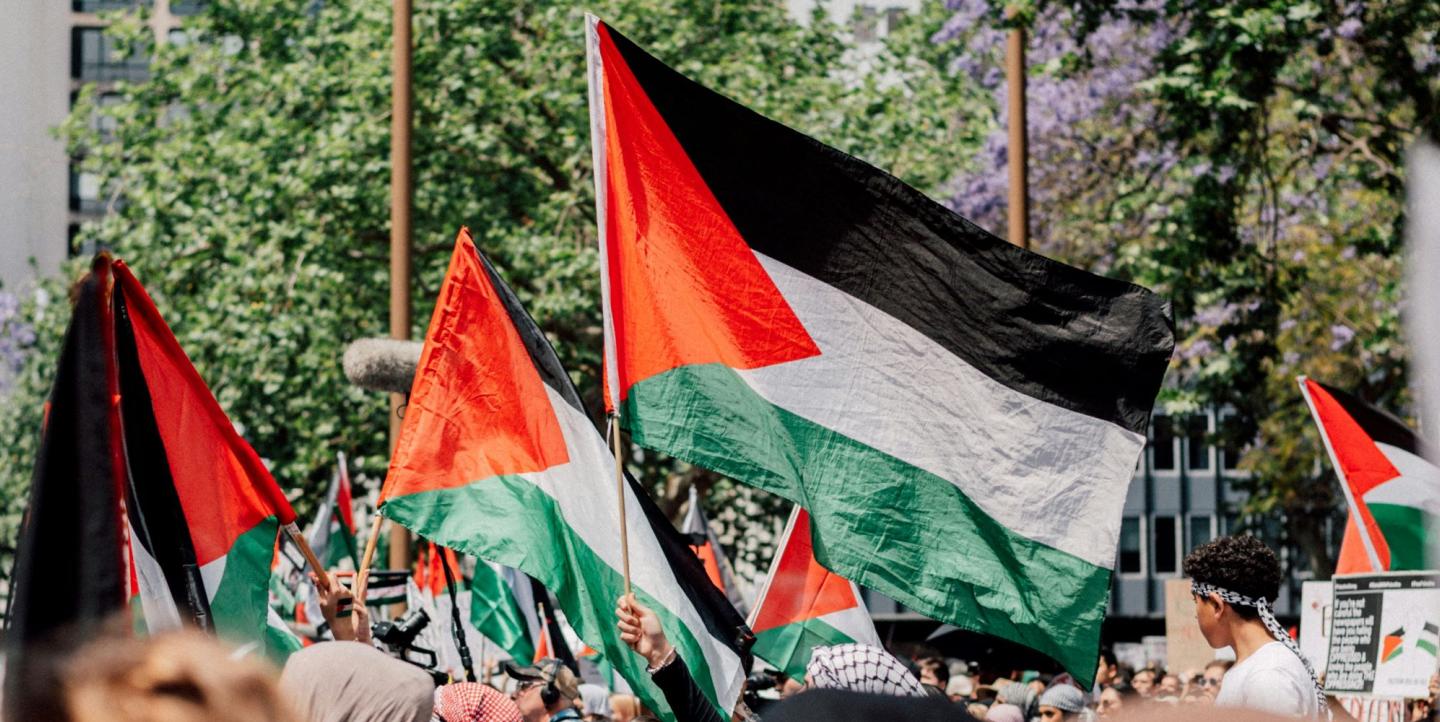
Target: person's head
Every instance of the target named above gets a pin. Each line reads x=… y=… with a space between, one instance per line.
x=960 y=687
x=1212 y=676
x=341 y=680
x=472 y=702
x=544 y=688
x=1240 y=565
x=594 y=703
x=1107 y=668
x=933 y=671
x=172 y=677
x=977 y=710
x=1003 y=712
x=1144 y=682
x=1061 y=702
x=860 y=668
x=624 y=707
x=1169 y=686
x=1111 y=701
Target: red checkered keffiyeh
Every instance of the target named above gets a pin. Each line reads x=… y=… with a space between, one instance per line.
x=472 y=702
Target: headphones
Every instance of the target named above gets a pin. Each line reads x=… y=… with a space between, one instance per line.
x=549 y=694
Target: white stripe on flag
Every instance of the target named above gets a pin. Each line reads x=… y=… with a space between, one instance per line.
x=584 y=491
x=1052 y=475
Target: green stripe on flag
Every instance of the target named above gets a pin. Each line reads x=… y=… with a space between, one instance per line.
x=496 y=614
x=524 y=529
x=1405 y=531
x=788 y=646
x=240 y=603
x=926 y=544
x=1426 y=645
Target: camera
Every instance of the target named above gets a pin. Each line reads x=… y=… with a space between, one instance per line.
x=400 y=635
x=403 y=631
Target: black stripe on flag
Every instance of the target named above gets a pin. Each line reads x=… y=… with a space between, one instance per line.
x=70 y=569
x=1379 y=425
x=1094 y=345
x=721 y=618
x=151 y=501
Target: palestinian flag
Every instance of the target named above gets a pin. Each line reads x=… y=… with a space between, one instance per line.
x=202 y=510
x=69 y=574
x=805 y=605
x=1429 y=637
x=960 y=417
x=1389 y=484
x=332 y=536
x=712 y=555
x=498 y=458
x=496 y=611
x=1392 y=644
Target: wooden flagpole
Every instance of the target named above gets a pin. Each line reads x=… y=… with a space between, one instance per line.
x=321 y=576
x=362 y=575
x=620 y=494
x=1018 y=150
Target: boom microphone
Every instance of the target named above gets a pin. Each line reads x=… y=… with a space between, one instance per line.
x=382 y=364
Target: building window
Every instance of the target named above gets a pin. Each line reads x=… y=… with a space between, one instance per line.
x=1231 y=447
x=1162 y=444
x=94 y=57
x=85 y=192
x=1130 y=559
x=1166 y=545
x=186 y=7
x=1197 y=442
x=1201 y=530
x=867 y=24
x=100 y=6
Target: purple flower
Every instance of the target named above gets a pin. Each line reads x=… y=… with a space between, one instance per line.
x=1298 y=257
x=1340 y=335
x=1288 y=324
x=1349 y=28
x=1196 y=349
x=1348 y=253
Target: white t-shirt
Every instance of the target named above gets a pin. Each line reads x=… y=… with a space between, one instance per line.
x=1271 y=680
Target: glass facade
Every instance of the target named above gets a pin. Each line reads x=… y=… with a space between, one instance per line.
x=95 y=58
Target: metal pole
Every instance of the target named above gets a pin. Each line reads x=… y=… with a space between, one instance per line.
x=1019 y=221
x=401 y=196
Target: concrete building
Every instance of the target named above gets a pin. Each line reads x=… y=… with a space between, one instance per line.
x=49 y=49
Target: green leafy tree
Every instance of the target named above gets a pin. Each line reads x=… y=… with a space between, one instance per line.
x=248 y=186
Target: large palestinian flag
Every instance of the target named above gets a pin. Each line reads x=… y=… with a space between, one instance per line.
x=804 y=605
x=498 y=458
x=203 y=511
x=1392 y=488
x=960 y=417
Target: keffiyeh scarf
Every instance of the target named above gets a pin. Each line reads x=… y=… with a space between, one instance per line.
x=861 y=668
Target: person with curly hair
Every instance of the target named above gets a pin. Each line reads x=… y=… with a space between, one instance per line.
x=1235 y=580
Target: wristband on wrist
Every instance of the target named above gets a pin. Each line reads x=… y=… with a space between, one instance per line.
x=664 y=662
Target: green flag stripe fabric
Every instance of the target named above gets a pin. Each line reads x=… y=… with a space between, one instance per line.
x=510 y=504
x=788 y=647
x=989 y=580
x=494 y=611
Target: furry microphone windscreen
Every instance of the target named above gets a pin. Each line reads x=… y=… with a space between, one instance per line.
x=382 y=364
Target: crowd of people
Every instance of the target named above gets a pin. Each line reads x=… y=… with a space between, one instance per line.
x=184 y=676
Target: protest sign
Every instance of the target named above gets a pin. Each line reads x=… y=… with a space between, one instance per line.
x=1315 y=600
x=1185 y=647
x=1385 y=631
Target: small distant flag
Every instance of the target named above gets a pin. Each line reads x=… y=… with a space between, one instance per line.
x=1392 y=645
x=332 y=534
x=496 y=610
x=712 y=555
x=805 y=605
x=1389 y=483
x=1429 y=638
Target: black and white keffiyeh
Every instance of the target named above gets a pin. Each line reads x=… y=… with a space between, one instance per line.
x=1261 y=605
x=861 y=668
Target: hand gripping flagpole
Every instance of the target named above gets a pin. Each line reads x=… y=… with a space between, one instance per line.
x=620 y=494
